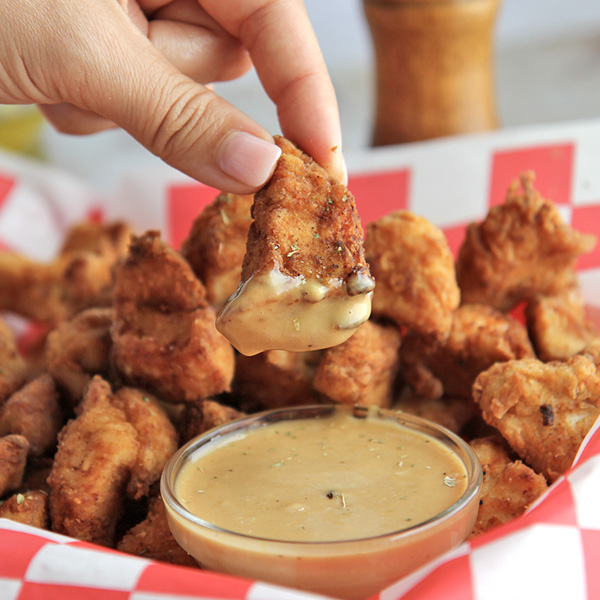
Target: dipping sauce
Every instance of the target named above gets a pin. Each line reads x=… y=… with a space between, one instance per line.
x=319 y=499
x=328 y=479
x=273 y=311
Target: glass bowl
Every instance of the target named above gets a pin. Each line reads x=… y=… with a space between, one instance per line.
x=353 y=568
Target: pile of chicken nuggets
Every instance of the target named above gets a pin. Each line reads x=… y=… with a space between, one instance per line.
x=130 y=365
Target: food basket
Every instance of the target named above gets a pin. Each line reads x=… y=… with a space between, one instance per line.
x=550 y=552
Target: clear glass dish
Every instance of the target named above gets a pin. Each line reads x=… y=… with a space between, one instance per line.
x=350 y=569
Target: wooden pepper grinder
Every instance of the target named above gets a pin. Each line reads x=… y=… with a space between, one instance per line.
x=434 y=67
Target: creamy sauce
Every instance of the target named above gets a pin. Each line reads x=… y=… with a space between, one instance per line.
x=328 y=479
x=272 y=311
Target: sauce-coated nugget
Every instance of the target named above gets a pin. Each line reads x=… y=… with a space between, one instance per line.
x=509 y=487
x=479 y=337
x=216 y=245
x=164 y=335
x=414 y=269
x=521 y=249
x=29 y=508
x=34 y=412
x=558 y=326
x=156 y=436
x=80 y=277
x=201 y=416
x=274 y=379
x=305 y=282
x=152 y=538
x=92 y=467
x=78 y=349
x=13 y=368
x=543 y=410
x=363 y=369
x=13 y=460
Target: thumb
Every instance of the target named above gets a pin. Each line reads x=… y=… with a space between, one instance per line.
x=183 y=122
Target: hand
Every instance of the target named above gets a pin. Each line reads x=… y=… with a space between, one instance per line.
x=144 y=66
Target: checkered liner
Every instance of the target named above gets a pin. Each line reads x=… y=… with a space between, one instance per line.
x=551 y=552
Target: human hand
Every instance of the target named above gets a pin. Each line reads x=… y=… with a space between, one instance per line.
x=144 y=66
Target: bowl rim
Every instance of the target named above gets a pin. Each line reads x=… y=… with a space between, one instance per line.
x=275 y=415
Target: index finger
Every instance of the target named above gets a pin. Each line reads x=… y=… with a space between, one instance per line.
x=285 y=51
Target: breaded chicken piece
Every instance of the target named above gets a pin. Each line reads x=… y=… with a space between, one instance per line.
x=164 y=335
x=28 y=508
x=275 y=379
x=78 y=349
x=414 y=269
x=13 y=368
x=543 y=410
x=480 y=336
x=522 y=249
x=156 y=436
x=216 y=245
x=362 y=370
x=453 y=413
x=80 y=277
x=96 y=454
x=34 y=412
x=305 y=282
x=204 y=415
x=558 y=326
x=152 y=538
x=13 y=459
x=509 y=487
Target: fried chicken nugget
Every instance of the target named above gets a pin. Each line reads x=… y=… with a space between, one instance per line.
x=204 y=415
x=522 y=249
x=216 y=245
x=156 y=436
x=28 y=508
x=96 y=454
x=305 y=283
x=152 y=538
x=13 y=368
x=543 y=410
x=362 y=370
x=414 y=269
x=78 y=349
x=275 y=379
x=509 y=487
x=479 y=337
x=34 y=412
x=164 y=336
x=558 y=326
x=80 y=277
x=13 y=459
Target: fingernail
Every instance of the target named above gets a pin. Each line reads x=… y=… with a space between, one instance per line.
x=248 y=159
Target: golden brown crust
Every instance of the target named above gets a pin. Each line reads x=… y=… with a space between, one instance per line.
x=509 y=487
x=523 y=248
x=207 y=414
x=275 y=379
x=28 y=508
x=480 y=336
x=543 y=410
x=363 y=369
x=305 y=223
x=164 y=335
x=13 y=460
x=414 y=270
x=558 y=326
x=34 y=412
x=80 y=277
x=13 y=368
x=216 y=245
x=152 y=538
x=96 y=454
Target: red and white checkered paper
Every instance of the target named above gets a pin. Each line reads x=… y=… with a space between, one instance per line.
x=551 y=552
